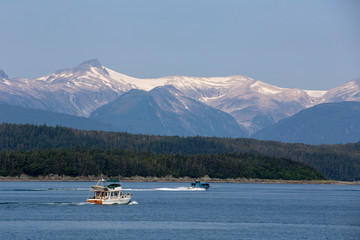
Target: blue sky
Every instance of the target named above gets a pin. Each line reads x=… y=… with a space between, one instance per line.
x=297 y=44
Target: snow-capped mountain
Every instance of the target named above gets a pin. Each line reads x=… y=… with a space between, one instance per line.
x=77 y=91
x=255 y=104
x=252 y=103
x=82 y=89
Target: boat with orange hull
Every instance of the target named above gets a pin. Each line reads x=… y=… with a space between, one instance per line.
x=109 y=194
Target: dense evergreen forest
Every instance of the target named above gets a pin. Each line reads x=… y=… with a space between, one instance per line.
x=126 y=163
x=337 y=162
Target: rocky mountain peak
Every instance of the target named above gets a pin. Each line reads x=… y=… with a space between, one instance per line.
x=87 y=65
x=84 y=67
x=91 y=66
x=92 y=62
x=3 y=75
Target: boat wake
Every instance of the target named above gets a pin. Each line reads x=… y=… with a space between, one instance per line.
x=45 y=189
x=45 y=203
x=68 y=203
x=180 y=189
x=177 y=189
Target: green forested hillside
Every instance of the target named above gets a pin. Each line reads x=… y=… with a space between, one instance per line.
x=337 y=162
x=84 y=162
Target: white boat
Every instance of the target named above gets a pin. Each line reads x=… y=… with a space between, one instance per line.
x=110 y=194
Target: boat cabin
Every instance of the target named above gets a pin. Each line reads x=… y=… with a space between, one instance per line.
x=110 y=194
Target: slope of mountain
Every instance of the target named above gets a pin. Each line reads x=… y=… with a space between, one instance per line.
x=19 y=115
x=328 y=123
x=166 y=111
x=349 y=91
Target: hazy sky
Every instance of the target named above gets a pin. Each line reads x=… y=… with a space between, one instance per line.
x=304 y=44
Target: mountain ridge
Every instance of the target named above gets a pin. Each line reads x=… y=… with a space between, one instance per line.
x=81 y=90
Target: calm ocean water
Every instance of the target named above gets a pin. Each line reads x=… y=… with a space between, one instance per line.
x=57 y=210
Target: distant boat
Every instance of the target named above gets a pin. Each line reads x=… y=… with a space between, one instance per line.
x=110 y=194
x=200 y=185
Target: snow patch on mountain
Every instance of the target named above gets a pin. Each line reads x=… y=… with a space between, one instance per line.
x=265 y=88
x=131 y=82
x=315 y=93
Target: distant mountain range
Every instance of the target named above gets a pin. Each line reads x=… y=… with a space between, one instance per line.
x=234 y=106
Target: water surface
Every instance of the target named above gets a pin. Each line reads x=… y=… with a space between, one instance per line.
x=58 y=210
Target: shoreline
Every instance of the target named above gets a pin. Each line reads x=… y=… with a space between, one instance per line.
x=57 y=178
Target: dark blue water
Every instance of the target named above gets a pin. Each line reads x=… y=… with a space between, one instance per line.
x=57 y=210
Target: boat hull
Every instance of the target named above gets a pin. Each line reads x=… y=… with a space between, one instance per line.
x=199 y=185
x=125 y=199
x=202 y=188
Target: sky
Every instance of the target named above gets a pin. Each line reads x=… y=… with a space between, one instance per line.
x=307 y=44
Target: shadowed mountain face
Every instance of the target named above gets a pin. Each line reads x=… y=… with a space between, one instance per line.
x=328 y=123
x=19 y=115
x=166 y=111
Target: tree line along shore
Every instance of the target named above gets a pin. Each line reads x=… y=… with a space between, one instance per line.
x=57 y=178
x=45 y=151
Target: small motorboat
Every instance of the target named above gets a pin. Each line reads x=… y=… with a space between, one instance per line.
x=109 y=194
x=199 y=185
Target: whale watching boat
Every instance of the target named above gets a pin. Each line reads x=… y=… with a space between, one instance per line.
x=109 y=194
x=199 y=185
